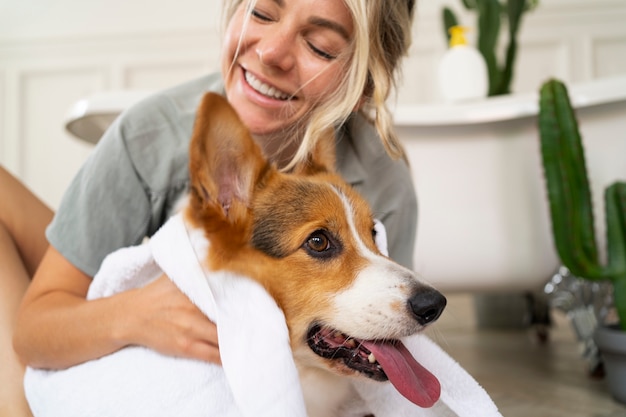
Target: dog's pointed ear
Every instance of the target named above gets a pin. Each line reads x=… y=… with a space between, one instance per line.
x=224 y=161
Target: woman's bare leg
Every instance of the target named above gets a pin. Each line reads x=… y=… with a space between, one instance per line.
x=23 y=219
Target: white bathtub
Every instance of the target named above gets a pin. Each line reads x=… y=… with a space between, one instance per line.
x=483 y=217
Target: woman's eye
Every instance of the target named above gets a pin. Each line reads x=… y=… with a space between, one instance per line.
x=260 y=16
x=318 y=243
x=321 y=53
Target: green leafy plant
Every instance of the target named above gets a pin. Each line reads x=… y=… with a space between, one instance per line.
x=570 y=198
x=491 y=16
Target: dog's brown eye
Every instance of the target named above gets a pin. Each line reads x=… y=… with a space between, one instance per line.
x=322 y=245
x=318 y=242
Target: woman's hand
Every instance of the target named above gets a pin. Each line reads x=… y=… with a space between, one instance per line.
x=57 y=327
x=168 y=322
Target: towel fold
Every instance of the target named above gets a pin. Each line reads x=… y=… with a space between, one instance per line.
x=258 y=376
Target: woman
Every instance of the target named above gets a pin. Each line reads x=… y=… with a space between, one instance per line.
x=291 y=69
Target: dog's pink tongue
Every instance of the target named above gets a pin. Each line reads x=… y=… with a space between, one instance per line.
x=410 y=378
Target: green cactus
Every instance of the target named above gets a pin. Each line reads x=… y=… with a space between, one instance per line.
x=570 y=198
x=490 y=14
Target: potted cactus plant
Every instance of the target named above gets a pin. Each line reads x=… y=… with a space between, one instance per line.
x=492 y=15
x=573 y=229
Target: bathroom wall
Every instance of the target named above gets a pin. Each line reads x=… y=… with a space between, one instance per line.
x=52 y=53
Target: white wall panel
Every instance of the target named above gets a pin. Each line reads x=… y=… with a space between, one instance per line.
x=159 y=75
x=609 y=56
x=3 y=99
x=50 y=157
x=539 y=60
x=419 y=69
x=37 y=19
x=11 y=113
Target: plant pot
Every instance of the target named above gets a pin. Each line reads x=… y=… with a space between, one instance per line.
x=611 y=342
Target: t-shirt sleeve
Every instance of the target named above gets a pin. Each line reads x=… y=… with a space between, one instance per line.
x=106 y=206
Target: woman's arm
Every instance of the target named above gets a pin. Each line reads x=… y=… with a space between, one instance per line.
x=57 y=327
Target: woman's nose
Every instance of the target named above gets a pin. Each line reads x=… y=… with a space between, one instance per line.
x=277 y=49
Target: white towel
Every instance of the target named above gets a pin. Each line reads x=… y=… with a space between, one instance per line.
x=258 y=376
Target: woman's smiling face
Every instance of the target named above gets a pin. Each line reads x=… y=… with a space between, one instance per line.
x=284 y=60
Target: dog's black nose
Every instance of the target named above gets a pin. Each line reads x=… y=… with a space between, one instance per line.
x=427 y=305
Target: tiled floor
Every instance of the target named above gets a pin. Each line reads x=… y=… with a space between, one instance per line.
x=524 y=377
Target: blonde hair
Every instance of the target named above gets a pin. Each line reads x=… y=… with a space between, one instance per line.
x=382 y=36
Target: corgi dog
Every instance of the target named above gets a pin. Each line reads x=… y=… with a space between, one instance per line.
x=309 y=239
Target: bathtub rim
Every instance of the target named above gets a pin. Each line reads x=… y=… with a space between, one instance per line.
x=509 y=107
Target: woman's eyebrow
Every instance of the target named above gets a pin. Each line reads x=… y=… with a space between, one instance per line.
x=329 y=24
x=324 y=23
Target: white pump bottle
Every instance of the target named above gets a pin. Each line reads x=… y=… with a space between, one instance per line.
x=462 y=70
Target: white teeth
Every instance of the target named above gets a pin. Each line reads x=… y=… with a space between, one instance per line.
x=371 y=358
x=265 y=89
x=350 y=343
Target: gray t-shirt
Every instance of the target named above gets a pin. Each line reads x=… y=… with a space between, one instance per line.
x=136 y=174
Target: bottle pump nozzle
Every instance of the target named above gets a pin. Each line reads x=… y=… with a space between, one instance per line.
x=457 y=35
